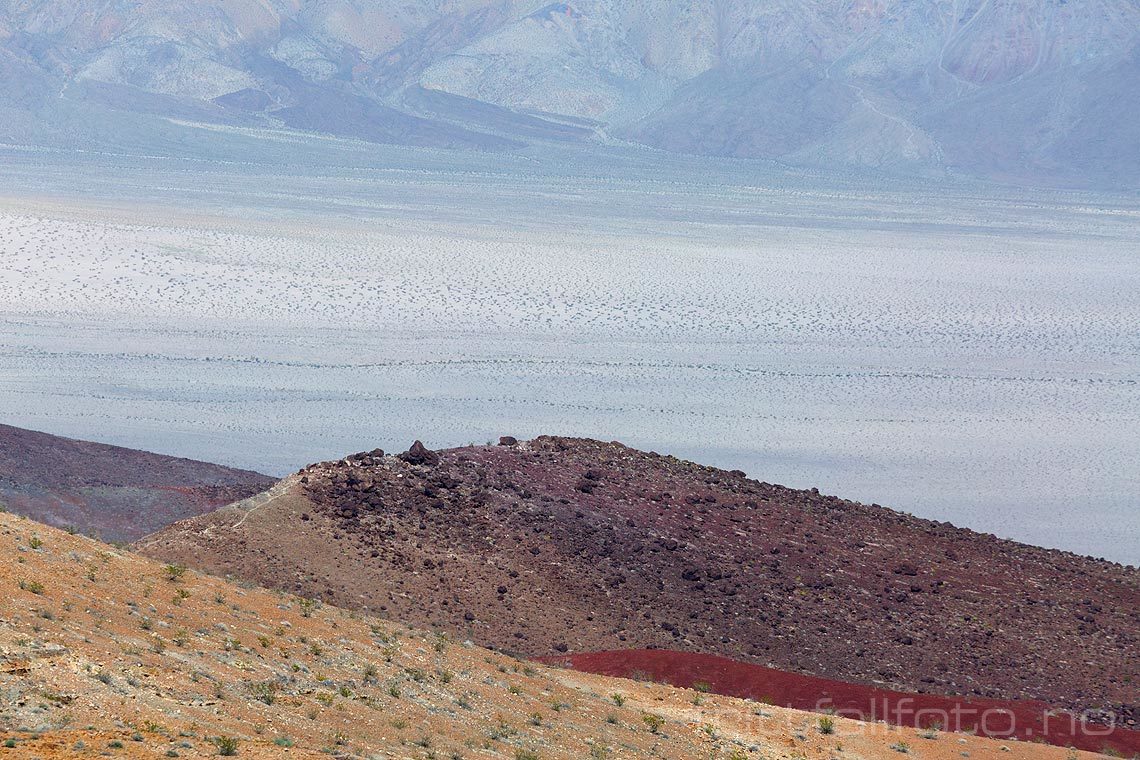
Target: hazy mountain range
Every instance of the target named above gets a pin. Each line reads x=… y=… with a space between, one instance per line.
x=1040 y=91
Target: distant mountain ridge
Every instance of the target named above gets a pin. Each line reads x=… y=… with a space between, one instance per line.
x=116 y=493
x=1023 y=90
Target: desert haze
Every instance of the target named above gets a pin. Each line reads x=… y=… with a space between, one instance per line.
x=1038 y=91
x=727 y=380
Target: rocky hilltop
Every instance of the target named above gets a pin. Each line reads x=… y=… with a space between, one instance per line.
x=116 y=493
x=561 y=545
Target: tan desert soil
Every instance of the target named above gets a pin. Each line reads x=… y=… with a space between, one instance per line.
x=104 y=653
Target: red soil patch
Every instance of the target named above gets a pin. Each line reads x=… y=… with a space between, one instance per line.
x=1024 y=720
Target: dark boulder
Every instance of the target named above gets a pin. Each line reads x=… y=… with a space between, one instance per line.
x=420 y=454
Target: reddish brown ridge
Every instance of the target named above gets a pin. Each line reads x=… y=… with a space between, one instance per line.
x=115 y=493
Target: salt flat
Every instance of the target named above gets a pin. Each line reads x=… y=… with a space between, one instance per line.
x=956 y=357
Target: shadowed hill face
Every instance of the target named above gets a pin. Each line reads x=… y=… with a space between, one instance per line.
x=117 y=493
x=105 y=653
x=624 y=549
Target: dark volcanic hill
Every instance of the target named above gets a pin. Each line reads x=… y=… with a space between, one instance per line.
x=559 y=545
x=115 y=493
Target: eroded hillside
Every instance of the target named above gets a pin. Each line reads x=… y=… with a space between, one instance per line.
x=106 y=653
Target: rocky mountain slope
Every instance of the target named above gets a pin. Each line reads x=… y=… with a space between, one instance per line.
x=1024 y=90
x=116 y=493
x=623 y=549
x=107 y=654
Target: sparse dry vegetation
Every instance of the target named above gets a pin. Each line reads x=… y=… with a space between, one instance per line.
x=330 y=680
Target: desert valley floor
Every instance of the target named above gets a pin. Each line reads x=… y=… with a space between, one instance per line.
x=962 y=357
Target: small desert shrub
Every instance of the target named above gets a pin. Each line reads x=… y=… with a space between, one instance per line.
x=653 y=722
x=283 y=741
x=902 y=747
x=827 y=725
x=227 y=746
x=702 y=686
x=174 y=573
x=619 y=699
x=264 y=692
x=34 y=587
x=525 y=754
x=36 y=543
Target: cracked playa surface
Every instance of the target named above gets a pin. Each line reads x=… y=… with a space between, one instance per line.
x=973 y=360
